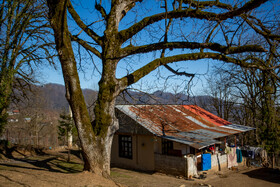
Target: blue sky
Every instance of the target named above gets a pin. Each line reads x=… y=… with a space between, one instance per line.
x=89 y=78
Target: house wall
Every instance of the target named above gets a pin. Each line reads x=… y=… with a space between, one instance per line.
x=142 y=153
x=173 y=164
x=218 y=162
x=181 y=147
x=142 y=145
x=147 y=156
x=185 y=149
x=191 y=166
x=157 y=145
x=170 y=164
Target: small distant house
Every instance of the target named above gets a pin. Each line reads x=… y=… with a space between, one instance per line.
x=27 y=119
x=158 y=137
x=10 y=113
x=15 y=112
x=12 y=119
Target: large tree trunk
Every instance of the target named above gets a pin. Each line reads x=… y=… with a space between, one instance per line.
x=104 y=126
x=96 y=139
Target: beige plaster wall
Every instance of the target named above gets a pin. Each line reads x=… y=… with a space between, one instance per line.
x=142 y=153
x=218 y=162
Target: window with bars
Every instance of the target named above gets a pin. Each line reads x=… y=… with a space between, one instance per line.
x=125 y=146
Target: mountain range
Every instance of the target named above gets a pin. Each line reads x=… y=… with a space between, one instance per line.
x=52 y=97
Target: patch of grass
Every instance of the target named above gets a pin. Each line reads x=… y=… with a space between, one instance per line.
x=68 y=167
x=117 y=174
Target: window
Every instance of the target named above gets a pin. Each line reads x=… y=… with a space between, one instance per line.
x=125 y=146
x=167 y=146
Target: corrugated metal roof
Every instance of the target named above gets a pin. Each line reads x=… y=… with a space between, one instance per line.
x=187 y=124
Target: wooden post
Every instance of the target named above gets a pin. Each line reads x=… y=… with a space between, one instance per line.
x=214 y=148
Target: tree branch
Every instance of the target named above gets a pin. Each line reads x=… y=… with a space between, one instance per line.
x=82 y=25
x=86 y=45
x=177 y=72
x=131 y=50
x=264 y=32
x=207 y=4
x=145 y=70
x=101 y=10
x=192 y=13
x=129 y=5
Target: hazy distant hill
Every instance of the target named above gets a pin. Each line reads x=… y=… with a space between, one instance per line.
x=53 y=96
x=160 y=97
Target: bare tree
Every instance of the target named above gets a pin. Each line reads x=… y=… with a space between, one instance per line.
x=257 y=95
x=116 y=37
x=221 y=90
x=34 y=124
x=24 y=41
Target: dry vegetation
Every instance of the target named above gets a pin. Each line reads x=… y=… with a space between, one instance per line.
x=27 y=166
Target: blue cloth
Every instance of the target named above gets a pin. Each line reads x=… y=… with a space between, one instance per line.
x=206 y=162
x=239 y=155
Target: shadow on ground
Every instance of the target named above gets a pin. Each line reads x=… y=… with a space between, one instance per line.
x=52 y=164
x=267 y=174
x=37 y=158
x=77 y=153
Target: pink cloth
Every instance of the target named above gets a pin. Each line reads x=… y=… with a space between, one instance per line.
x=232 y=157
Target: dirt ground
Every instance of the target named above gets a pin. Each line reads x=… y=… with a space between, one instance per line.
x=53 y=170
x=247 y=177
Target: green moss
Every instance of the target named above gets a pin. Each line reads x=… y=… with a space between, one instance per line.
x=107 y=90
x=102 y=120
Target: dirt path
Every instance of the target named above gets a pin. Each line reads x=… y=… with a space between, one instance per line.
x=139 y=179
x=53 y=170
x=245 y=177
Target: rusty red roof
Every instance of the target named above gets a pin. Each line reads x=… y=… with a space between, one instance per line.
x=188 y=124
x=206 y=115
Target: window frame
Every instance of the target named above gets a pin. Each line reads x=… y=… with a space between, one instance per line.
x=167 y=145
x=125 y=146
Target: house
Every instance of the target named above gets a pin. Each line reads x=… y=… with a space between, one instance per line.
x=27 y=119
x=159 y=137
x=12 y=119
x=15 y=112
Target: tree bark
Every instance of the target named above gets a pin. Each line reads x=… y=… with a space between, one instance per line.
x=96 y=138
